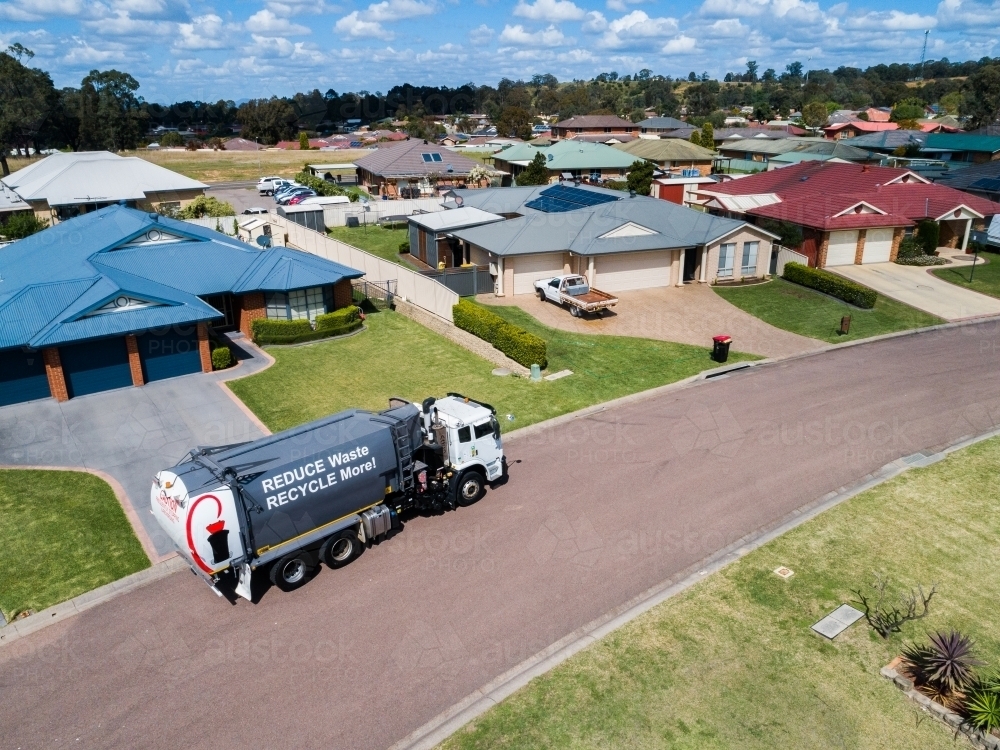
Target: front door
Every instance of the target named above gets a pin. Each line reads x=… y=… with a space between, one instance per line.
x=690 y=263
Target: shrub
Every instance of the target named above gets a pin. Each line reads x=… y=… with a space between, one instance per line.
x=929 y=234
x=982 y=707
x=828 y=283
x=922 y=260
x=171 y=139
x=205 y=205
x=942 y=667
x=404 y=246
x=22 y=225
x=265 y=328
x=909 y=247
x=222 y=358
x=337 y=323
x=521 y=346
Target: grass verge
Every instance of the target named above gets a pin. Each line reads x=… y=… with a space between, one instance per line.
x=732 y=663
x=986 y=279
x=397 y=356
x=375 y=239
x=806 y=312
x=63 y=534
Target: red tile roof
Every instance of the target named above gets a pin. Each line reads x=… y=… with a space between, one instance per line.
x=861 y=126
x=813 y=193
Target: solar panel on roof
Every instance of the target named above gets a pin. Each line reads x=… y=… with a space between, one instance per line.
x=560 y=198
x=986 y=183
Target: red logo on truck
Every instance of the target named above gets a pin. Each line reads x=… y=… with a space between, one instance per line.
x=190 y=537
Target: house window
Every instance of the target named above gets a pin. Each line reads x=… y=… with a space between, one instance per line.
x=607 y=130
x=727 y=253
x=277 y=305
x=306 y=304
x=595 y=176
x=749 y=266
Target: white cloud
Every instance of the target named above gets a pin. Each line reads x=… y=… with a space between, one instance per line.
x=679 y=45
x=482 y=34
x=353 y=25
x=892 y=20
x=728 y=27
x=622 y=5
x=122 y=24
x=553 y=11
x=516 y=35
x=636 y=27
x=266 y=22
x=595 y=22
x=83 y=54
x=204 y=32
x=39 y=10
x=962 y=14
x=300 y=7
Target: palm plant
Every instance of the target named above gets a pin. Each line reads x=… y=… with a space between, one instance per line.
x=943 y=667
x=982 y=708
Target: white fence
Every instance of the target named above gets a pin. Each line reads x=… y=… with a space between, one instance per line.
x=788 y=256
x=413 y=287
x=223 y=223
x=336 y=216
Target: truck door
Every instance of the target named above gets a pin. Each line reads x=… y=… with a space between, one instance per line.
x=552 y=290
x=486 y=441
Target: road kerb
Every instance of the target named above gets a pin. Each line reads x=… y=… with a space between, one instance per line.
x=480 y=701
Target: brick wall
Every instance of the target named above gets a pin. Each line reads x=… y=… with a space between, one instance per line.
x=54 y=372
x=204 y=350
x=824 y=245
x=342 y=296
x=859 y=252
x=134 y=362
x=251 y=308
x=897 y=237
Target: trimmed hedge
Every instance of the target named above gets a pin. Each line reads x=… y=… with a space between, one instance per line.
x=337 y=323
x=524 y=348
x=829 y=283
x=222 y=358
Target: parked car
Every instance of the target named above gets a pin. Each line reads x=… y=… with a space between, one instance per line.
x=267 y=185
x=285 y=190
x=285 y=199
x=298 y=198
x=254 y=210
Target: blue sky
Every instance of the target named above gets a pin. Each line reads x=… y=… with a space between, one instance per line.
x=235 y=49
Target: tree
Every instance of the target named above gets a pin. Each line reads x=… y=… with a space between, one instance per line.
x=111 y=115
x=981 y=103
x=696 y=137
x=206 y=206
x=21 y=225
x=303 y=141
x=702 y=99
x=267 y=120
x=769 y=76
x=793 y=70
x=171 y=139
x=752 y=70
x=951 y=102
x=814 y=114
x=536 y=173
x=640 y=176
x=907 y=109
x=27 y=98
x=707 y=136
x=514 y=122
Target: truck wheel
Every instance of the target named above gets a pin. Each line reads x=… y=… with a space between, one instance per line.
x=541 y=295
x=290 y=572
x=469 y=487
x=575 y=312
x=340 y=549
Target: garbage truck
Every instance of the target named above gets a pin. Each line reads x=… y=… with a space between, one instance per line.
x=325 y=490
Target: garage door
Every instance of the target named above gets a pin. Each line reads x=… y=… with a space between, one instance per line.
x=843 y=246
x=95 y=366
x=22 y=377
x=878 y=246
x=530 y=268
x=625 y=271
x=167 y=356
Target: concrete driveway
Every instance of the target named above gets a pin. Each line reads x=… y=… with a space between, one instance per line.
x=131 y=433
x=691 y=314
x=917 y=287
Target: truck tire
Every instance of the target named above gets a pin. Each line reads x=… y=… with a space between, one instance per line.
x=574 y=311
x=291 y=571
x=341 y=548
x=541 y=295
x=469 y=488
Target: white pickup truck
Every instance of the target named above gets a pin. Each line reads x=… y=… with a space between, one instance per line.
x=574 y=292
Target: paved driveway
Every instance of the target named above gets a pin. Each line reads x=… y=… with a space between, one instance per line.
x=917 y=287
x=131 y=433
x=691 y=314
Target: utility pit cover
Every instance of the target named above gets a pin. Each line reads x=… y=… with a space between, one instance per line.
x=838 y=621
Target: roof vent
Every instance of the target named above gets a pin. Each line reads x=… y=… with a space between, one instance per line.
x=154 y=216
x=803 y=179
x=631 y=193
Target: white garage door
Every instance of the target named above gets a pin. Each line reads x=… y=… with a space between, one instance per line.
x=625 y=271
x=878 y=246
x=843 y=246
x=529 y=268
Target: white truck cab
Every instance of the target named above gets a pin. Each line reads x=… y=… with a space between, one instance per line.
x=473 y=435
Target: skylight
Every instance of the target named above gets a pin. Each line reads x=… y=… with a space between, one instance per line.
x=431 y=157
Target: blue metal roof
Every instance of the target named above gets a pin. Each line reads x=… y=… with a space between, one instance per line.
x=53 y=284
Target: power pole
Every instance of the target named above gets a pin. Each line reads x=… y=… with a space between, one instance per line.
x=923 y=55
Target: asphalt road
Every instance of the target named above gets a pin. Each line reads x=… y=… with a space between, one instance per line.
x=596 y=511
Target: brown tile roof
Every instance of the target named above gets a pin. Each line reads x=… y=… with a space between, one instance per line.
x=406 y=160
x=595 y=121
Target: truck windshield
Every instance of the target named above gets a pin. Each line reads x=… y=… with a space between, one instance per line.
x=484 y=429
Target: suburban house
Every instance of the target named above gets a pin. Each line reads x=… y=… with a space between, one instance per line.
x=888 y=141
x=592 y=125
x=413 y=168
x=431 y=238
x=620 y=242
x=850 y=213
x=578 y=159
x=241 y=144
x=758 y=153
x=982 y=180
x=610 y=139
x=671 y=155
x=854 y=128
x=65 y=185
x=120 y=297
x=961 y=147
x=679 y=189
x=662 y=125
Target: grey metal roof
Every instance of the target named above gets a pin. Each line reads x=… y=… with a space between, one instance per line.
x=964 y=177
x=795 y=144
x=887 y=140
x=512 y=200
x=405 y=160
x=456 y=218
x=584 y=231
x=595 y=121
x=94 y=177
x=663 y=123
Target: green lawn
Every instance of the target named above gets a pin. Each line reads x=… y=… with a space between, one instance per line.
x=986 y=279
x=396 y=356
x=732 y=663
x=378 y=241
x=63 y=533
x=804 y=311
